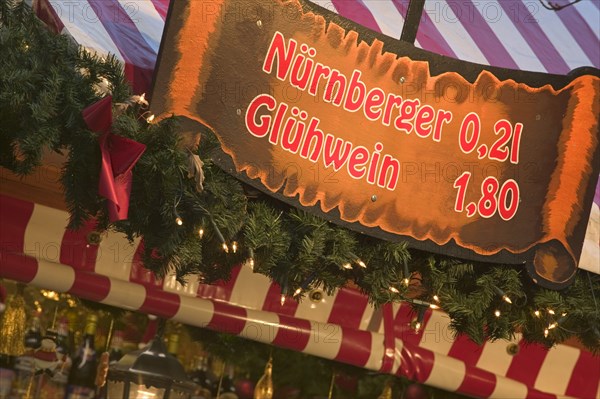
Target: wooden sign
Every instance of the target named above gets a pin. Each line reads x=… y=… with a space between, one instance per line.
x=386 y=139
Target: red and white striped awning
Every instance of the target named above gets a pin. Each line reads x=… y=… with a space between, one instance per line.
x=35 y=248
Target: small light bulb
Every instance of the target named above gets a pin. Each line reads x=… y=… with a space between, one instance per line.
x=497 y=313
x=394 y=290
x=361 y=263
x=234 y=246
x=552 y=326
x=347 y=266
x=537 y=313
x=179 y=221
x=225 y=247
x=436 y=298
x=200 y=233
x=546 y=333
x=252 y=263
x=564 y=314
x=406 y=282
x=551 y=312
x=298 y=291
x=282 y=300
x=150 y=118
x=507 y=299
x=417 y=326
x=433 y=306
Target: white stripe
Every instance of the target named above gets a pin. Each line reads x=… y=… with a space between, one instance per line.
x=327 y=4
x=561 y=39
x=115 y=254
x=376 y=353
x=190 y=288
x=260 y=326
x=146 y=19
x=591 y=14
x=247 y=281
x=451 y=28
x=44 y=233
x=389 y=20
x=54 y=276
x=398 y=345
x=83 y=24
x=504 y=28
x=507 y=388
x=494 y=357
x=125 y=295
x=447 y=373
x=437 y=335
x=325 y=340
x=317 y=311
x=366 y=318
x=194 y=311
x=556 y=369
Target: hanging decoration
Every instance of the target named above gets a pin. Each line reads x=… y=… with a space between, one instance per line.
x=220 y=225
x=264 y=386
x=119 y=155
x=13 y=325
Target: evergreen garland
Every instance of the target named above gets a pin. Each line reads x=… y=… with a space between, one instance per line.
x=45 y=83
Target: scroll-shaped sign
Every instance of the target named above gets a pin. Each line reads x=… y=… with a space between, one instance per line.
x=385 y=138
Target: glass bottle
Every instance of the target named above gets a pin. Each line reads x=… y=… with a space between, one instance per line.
x=82 y=376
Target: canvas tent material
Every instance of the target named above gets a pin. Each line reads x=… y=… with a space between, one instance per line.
x=36 y=249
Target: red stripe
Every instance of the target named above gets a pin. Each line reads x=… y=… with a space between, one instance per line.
x=582 y=33
x=348 y=308
x=273 y=302
x=139 y=274
x=403 y=328
x=355 y=347
x=91 y=286
x=15 y=266
x=160 y=303
x=292 y=333
x=535 y=36
x=415 y=363
x=356 y=11
x=162 y=7
x=525 y=366
x=477 y=383
x=225 y=288
x=585 y=376
x=44 y=11
x=15 y=215
x=228 y=318
x=484 y=37
x=128 y=39
x=535 y=394
x=428 y=35
x=75 y=250
x=466 y=350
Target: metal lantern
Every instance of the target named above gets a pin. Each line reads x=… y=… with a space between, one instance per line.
x=149 y=373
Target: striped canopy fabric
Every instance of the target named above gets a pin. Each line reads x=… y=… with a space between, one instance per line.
x=36 y=248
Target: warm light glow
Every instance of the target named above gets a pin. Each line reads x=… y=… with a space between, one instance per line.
x=179 y=221
x=497 y=313
x=551 y=312
x=436 y=298
x=394 y=290
x=143 y=394
x=234 y=246
x=361 y=263
x=417 y=326
x=225 y=247
x=200 y=233
x=506 y=299
x=406 y=282
x=552 y=326
x=537 y=313
x=251 y=263
x=347 y=266
x=298 y=291
x=546 y=333
x=433 y=306
x=150 y=119
x=50 y=295
x=282 y=300
x=564 y=314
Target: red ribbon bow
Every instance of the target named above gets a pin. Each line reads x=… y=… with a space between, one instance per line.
x=119 y=155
